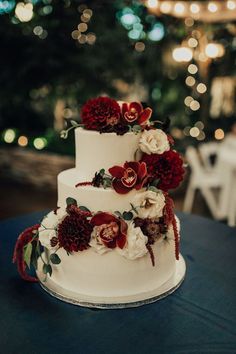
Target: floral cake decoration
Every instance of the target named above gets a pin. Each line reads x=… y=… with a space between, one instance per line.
x=156 y=169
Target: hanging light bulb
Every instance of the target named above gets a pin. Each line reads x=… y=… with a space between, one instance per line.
x=182 y=54
x=165 y=7
x=152 y=4
x=231 y=5
x=212 y=7
x=194 y=8
x=179 y=8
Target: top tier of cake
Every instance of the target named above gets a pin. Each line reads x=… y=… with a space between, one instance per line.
x=95 y=151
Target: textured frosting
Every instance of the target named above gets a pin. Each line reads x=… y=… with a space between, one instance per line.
x=95 y=151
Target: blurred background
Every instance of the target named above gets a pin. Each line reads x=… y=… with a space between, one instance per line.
x=176 y=56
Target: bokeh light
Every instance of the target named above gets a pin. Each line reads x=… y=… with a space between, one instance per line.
x=182 y=54
x=201 y=88
x=219 y=134
x=39 y=143
x=9 y=136
x=157 y=33
x=192 y=69
x=22 y=141
x=24 y=12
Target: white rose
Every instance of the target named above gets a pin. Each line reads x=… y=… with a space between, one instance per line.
x=136 y=243
x=149 y=204
x=154 y=141
x=47 y=229
x=96 y=243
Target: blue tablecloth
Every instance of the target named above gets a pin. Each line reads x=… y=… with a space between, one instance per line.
x=200 y=317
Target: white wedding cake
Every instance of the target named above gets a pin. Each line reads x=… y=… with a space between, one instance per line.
x=113 y=239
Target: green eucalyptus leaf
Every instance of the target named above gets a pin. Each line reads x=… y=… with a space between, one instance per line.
x=155 y=182
x=47 y=269
x=102 y=172
x=118 y=213
x=153 y=189
x=128 y=215
x=71 y=201
x=27 y=254
x=55 y=259
x=83 y=208
x=74 y=123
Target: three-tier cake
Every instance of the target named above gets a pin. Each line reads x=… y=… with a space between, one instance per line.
x=113 y=240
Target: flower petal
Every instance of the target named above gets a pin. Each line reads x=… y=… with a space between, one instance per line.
x=121 y=240
x=137 y=106
x=145 y=115
x=119 y=187
x=132 y=164
x=117 y=171
x=102 y=218
x=124 y=108
x=142 y=172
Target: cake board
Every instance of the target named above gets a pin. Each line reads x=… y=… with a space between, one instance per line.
x=120 y=302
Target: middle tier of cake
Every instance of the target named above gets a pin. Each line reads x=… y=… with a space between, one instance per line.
x=95 y=199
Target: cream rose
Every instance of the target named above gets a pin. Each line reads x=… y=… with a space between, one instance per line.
x=96 y=243
x=47 y=229
x=154 y=141
x=149 y=204
x=136 y=243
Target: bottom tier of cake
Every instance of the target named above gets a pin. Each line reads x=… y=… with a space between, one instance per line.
x=109 y=280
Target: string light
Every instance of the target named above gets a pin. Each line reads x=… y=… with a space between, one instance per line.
x=199 y=125
x=194 y=132
x=188 y=100
x=139 y=46
x=214 y=50
x=179 y=8
x=212 y=7
x=22 y=141
x=189 y=21
x=152 y=4
x=194 y=8
x=192 y=42
x=182 y=54
x=39 y=143
x=201 y=88
x=192 y=69
x=194 y=105
x=91 y=38
x=165 y=7
x=9 y=136
x=219 y=134
x=190 y=81
x=201 y=136
x=231 y=5
x=82 y=27
x=24 y=12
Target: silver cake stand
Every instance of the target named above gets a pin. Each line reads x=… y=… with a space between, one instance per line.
x=116 y=302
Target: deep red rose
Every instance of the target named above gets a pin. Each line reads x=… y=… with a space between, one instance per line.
x=101 y=112
x=74 y=231
x=167 y=167
x=18 y=257
x=133 y=113
x=131 y=175
x=112 y=230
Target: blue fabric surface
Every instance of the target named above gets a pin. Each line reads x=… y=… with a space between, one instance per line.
x=200 y=317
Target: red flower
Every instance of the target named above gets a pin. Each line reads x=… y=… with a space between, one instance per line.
x=101 y=112
x=74 y=231
x=167 y=167
x=131 y=175
x=18 y=256
x=133 y=113
x=111 y=230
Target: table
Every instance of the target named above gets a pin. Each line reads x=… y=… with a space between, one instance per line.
x=200 y=317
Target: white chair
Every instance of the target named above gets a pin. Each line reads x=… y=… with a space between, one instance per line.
x=231 y=217
x=202 y=179
x=207 y=150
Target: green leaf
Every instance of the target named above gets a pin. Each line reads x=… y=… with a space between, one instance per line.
x=102 y=172
x=107 y=182
x=55 y=259
x=71 y=201
x=27 y=254
x=47 y=269
x=118 y=213
x=153 y=189
x=74 y=123
x=155 y=182
x=128 y=215
x=83 y=208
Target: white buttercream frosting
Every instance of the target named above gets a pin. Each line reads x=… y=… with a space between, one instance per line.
x=149 y=204
x=136 y=243
x=154 y=141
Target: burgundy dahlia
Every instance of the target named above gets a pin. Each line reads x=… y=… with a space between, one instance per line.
x=167 y=168
x=74 y=232
x=99 y=113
